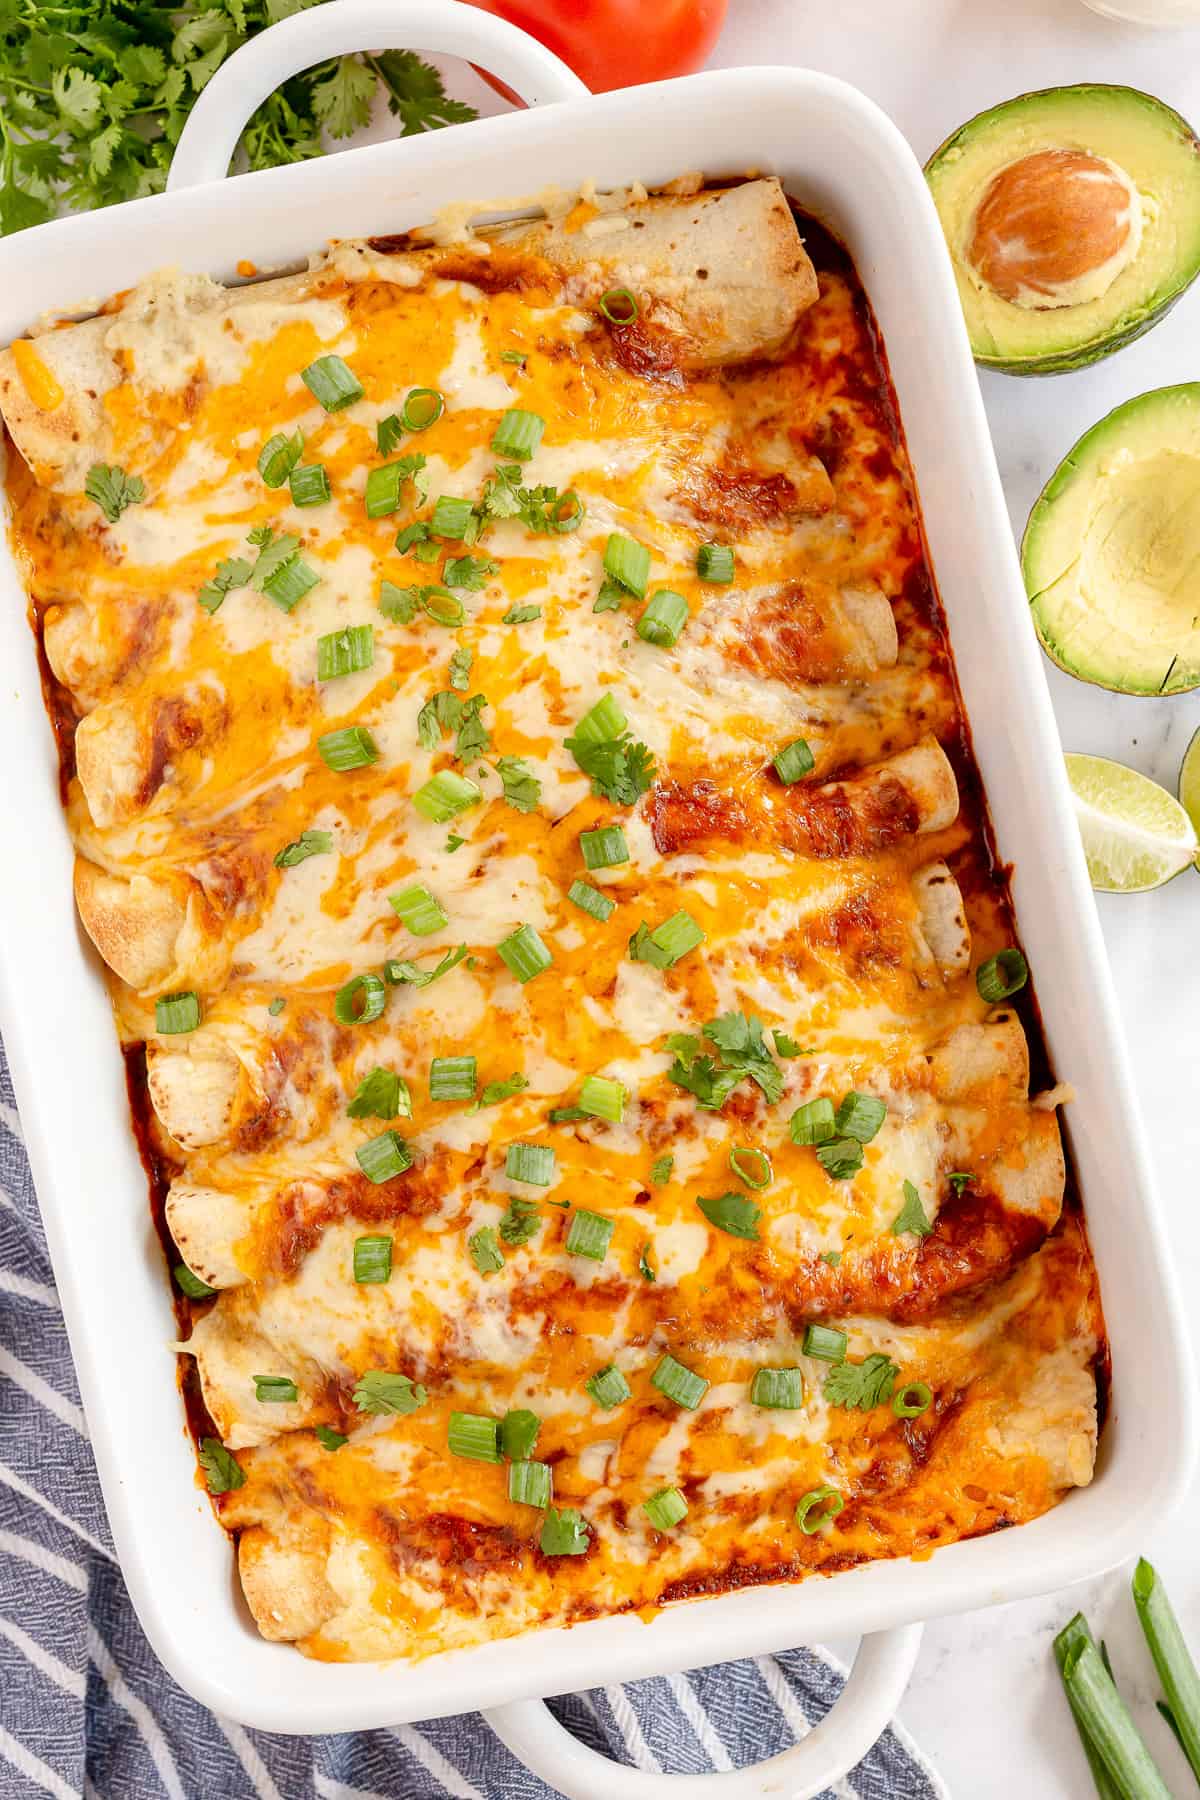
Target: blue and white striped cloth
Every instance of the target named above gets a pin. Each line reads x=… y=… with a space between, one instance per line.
x=86 y=1710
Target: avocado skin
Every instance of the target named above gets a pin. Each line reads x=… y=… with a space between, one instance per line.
x=1117 y=426
x=1156 y=305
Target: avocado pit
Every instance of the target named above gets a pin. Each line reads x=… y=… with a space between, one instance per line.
x=1055 y=228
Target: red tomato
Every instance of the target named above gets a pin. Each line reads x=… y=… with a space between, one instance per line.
x=619 y=43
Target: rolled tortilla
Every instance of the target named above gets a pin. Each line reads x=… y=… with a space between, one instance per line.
x=912 y=793
x=724 y=271
x=807 y=631
x=943 y=919
x=135 y=923
x=194 y=1087
x=284 y=1579
x=206 y=1223
x=974 y=1055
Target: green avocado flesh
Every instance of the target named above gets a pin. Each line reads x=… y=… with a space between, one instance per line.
x=1160 y=155
x=1111 y=554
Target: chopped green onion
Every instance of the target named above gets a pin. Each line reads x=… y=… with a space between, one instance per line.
x=278 y=457
x=628 y=562
x=345 y=652
x=385 y=486
x=825 y=1342
x=309 y=843
x=590 y=901
x=445 y=795
x=222 y=1470
x=518 y=434
x=177 y=1013
x=733 y=1214
x=668 y=943
x=565 y=1533
x=332 y=382
x=664 y=618
x=608 y=1387
x=841 y=1158
x=590 y=1234
x=751 y=1166
x=383 y=1157
x=602 y=1097
x=423 y=408
x=660 y=1170
x=277 y=1005
x=451 y=517
x=380 y=1095
x=524 y=954
x=410 y=535
x=352 y=747
x=397 y=972
x=619 y=306
x=817 y=1508
x=714 y=562
x=532 y=1163
x=832 y=1257
x=485 y=1250
x=190 y=1284
x=812 y=1123
x=310 y=485
x=360 y=1000
x=859 y=1116
x=387 y=1391
x=288 y=584
x=565 y=513
x=518 y=1434
x=666 y=1508
x=1101 y=1713
x=514 y=356
x=475 y=1437
x=452 y=1078
x=529 y=1483
x=959 y=1179
x=418 y=911
x=1001 y=976
x=602 y=723
x=911 y=1400
x=372 y=1260
x=275 y=1390
x=1172 y=1659
x=521 y=1222
x=679 y=1383
x=782 y=1390
x=605 y=848
x=443 y=607
x=329 y=1439
x=793 y=761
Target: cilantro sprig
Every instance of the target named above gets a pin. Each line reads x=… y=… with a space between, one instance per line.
x=741 y=1054
x=94 y=95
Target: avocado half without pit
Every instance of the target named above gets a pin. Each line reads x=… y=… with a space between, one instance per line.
x=1111 y=554
x=1073 y=221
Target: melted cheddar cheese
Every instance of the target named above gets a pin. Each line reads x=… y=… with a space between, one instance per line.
x=843 y=916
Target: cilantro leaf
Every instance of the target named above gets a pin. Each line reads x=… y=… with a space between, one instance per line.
x=388 y=433
x=474 y=739
x=403 y=972
x=342 y=99
x=495 y=1091
x=309 y=843
x=660 y=1170
x=522 y=1220
x=222 y=1470
x=113 y=490
x=382 y=1391
x=521 y=615
x=741 y=1054
x=645 y=1269
x=620 y=770
x=442 y=712
x=522 y=789
x=232 y=572
x=470 y=572
x=861 y=1385
x=912 y=1216
x=611 y=598
x=415 y=92
x=460 y=668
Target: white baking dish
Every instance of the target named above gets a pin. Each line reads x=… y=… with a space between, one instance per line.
x=844 y=161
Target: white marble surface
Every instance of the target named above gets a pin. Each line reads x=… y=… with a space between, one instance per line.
x=985 y=1704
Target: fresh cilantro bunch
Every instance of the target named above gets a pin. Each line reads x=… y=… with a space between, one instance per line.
x=94 y=96
x=862 y=1385
x=741 y=1054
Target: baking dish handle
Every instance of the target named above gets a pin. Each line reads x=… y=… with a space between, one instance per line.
x=857 y=1719
x=209 y=139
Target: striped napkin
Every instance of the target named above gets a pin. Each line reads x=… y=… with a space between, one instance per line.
x=87 y=1711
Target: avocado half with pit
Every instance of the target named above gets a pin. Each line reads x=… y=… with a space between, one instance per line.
x=1111 y=554
x=1073 y=221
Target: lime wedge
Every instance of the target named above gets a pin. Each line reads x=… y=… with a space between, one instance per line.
x=1189 y=784
x=1135 y=834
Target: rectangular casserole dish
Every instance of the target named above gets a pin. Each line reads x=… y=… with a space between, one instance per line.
x=841 y=160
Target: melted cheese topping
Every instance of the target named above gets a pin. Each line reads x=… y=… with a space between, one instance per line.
x=201 y=732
